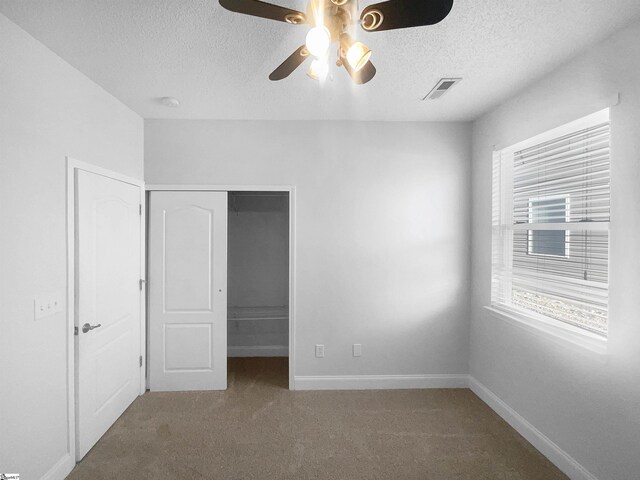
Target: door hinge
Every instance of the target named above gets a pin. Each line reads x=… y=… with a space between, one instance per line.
x=140 y=210
x=140 y=360
x=141 y=283
x=75 y=330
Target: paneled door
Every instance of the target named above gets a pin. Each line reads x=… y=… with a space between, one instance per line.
x=108 y=243
x=188 y=291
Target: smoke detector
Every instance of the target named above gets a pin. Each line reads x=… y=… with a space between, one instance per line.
x=442 y=87
x=170 y=102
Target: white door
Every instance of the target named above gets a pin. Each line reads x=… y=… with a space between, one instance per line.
x=108 y=240
x=188 y=291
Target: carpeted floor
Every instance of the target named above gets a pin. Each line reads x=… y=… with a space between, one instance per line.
x=258 y=429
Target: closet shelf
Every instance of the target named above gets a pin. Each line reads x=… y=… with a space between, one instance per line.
x=258 y=313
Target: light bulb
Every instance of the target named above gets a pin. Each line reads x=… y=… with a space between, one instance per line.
x=319 y=70
x=358 y=55
x=318 y=41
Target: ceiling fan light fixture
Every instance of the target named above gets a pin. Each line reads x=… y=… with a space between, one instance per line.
x=319 y=70
x=358 y=55
x=318 y=41
x=330 y=20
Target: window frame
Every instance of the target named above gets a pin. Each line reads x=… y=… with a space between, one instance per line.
x=528 y=319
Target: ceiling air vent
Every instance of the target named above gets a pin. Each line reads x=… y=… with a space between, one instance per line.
x=442 y=87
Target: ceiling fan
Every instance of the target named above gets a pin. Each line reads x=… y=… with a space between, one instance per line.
x=334 y=21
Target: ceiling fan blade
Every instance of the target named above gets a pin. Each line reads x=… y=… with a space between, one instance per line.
x=395 y=14
x=363 y=75
x=264 y=10
x=287 y=67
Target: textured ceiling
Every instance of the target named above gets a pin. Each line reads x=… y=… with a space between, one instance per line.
x=217 y=62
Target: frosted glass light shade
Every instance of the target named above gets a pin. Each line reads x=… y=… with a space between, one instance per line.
x=318 y=41
x=319 y=70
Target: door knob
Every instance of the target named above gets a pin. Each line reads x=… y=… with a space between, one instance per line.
x=86 y=327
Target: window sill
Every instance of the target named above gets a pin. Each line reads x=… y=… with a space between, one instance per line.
x=551 y=328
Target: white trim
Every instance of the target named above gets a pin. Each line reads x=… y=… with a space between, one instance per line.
x=72 y=166
x=70 y=337
x=292 y=246
x=143 y=290
x=88 y=167
x=538 y=324
x=601 y=114
x=60 y=469
x=587 y=121
x=292 y=287
x=221 y=188
x=259 y=351
x=535 y=437
x=381 y=382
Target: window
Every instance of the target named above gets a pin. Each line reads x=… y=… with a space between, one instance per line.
x=551 y=206
x=552 y=209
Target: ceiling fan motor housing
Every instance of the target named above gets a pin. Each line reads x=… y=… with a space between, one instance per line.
x=337 y=16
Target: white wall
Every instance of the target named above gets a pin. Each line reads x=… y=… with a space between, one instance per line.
x=47 y=110
x=588 y=404
x=382 y=230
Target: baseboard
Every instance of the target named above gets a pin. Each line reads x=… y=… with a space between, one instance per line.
x=535 y=437
x=259 y=351
x=380 y=382
x=61 y=469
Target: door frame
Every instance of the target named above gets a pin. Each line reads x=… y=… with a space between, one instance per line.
x=291 y=189
x=73 y=165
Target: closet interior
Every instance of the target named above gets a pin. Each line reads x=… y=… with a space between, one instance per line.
x=258 y=274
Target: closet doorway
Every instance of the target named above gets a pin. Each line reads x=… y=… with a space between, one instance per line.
x=258 y=267
x=220 y=284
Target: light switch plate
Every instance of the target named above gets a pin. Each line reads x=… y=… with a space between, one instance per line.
x=319 y=351
x=357 y=349
x=46 y=306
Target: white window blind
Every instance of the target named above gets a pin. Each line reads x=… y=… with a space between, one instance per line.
x=551 y=204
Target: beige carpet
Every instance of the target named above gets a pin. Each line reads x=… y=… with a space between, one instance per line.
x=258 y=429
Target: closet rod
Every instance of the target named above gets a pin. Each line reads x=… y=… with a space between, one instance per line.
x=233 y=194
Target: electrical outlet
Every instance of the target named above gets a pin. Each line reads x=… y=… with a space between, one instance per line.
x=319 y=351
x=357 y=350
